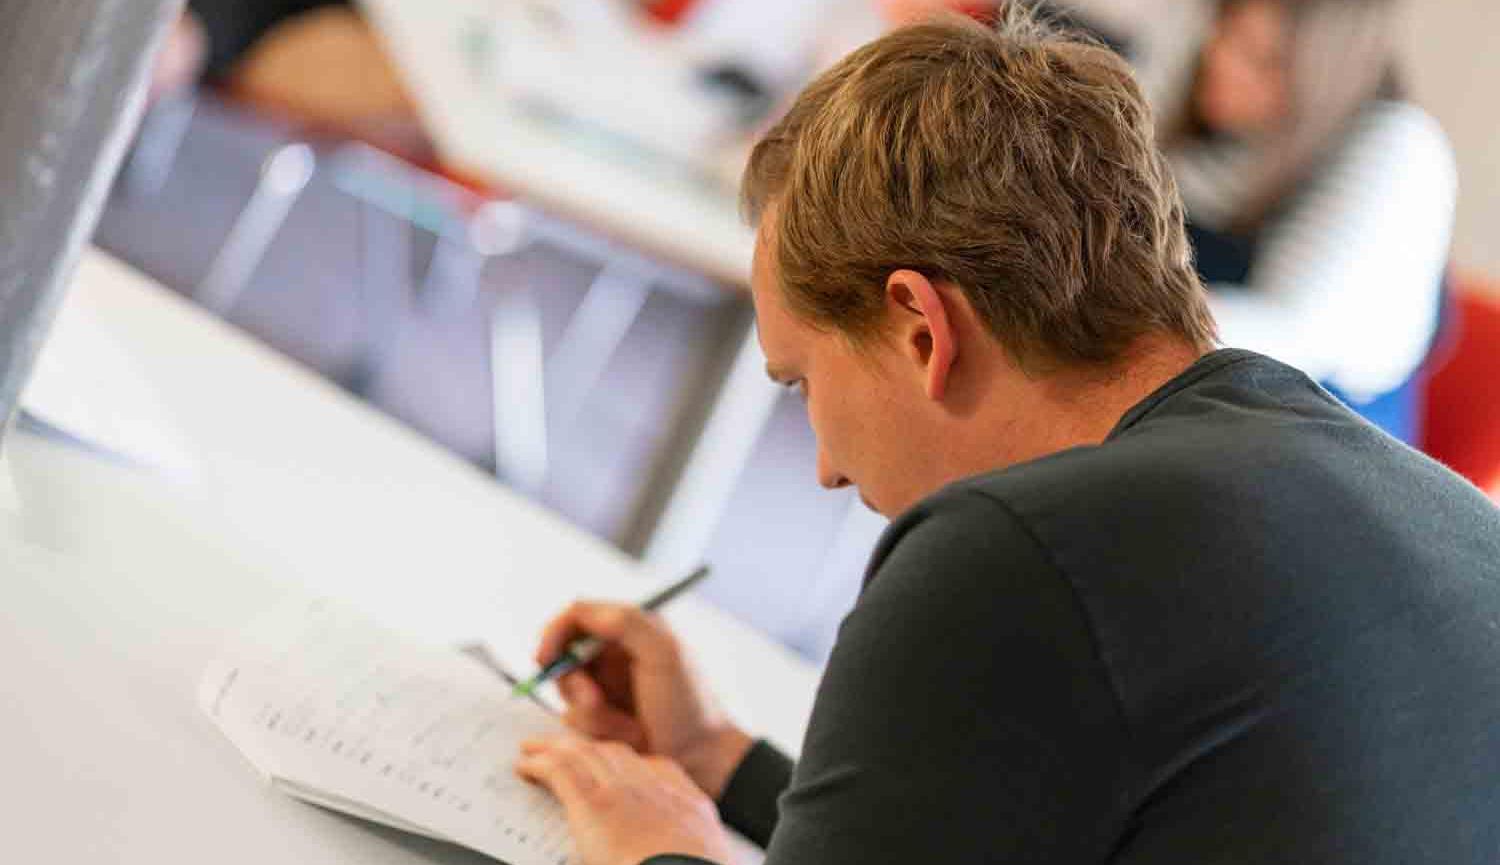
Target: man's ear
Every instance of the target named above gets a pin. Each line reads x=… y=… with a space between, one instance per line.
x=924 y=330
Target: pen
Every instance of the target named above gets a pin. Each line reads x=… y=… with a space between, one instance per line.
x=585 y=649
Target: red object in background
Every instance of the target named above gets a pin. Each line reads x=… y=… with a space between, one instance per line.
x=981 y=11
x=673 y=11
x=1463 y=397
x=669 y=11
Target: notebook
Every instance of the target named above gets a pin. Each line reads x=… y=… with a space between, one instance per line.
x=340 y=712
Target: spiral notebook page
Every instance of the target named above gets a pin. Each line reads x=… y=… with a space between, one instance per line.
x=348 y=715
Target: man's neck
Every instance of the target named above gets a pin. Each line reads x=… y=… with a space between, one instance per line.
x=1078 y=407
x=1089 y=404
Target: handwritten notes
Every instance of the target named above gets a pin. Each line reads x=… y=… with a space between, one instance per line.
x=346 y=714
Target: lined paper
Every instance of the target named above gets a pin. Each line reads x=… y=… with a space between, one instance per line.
x=346 y=714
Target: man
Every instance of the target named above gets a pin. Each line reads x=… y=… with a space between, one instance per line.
x=1142 y=601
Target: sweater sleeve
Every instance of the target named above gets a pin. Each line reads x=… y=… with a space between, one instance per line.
x=749 y=801
x=1345 y=285
x=965 y=715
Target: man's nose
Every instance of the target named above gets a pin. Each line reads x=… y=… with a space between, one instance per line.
x=827 y=476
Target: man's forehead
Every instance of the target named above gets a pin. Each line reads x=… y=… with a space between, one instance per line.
x=765 y=243
x=777 y=331
x=762 y=266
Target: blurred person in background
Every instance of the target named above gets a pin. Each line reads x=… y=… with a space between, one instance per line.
x=1320 y=202
x=314 y=62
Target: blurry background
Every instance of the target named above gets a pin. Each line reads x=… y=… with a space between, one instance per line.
x=1454 y=75
x=511 y=225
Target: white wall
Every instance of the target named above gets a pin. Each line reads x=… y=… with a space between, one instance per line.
x=1454 y=68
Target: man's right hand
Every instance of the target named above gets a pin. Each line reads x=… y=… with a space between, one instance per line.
x=642 y=691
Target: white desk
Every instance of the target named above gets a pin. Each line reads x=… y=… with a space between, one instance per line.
x=658 y=209
x=119 y=584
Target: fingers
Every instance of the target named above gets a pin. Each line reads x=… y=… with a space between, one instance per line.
x=590 y=713
x=623 y=807
x=564 y=778
x=580 y=765
x=569 y=767
x=580 y=691
x=643 y=635
x=575 y=770
x=670 y=770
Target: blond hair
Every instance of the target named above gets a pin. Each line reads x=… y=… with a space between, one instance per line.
x=1013 y=161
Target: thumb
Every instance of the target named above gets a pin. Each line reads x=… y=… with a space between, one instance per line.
x=641 y=634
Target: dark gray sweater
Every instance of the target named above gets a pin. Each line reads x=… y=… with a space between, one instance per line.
x=1248 y=628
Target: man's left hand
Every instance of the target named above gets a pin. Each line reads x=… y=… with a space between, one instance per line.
x=624 y=808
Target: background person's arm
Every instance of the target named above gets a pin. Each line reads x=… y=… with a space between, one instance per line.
x=1345 y=284
x=233 y=26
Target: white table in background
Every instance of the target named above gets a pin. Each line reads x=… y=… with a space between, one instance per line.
x=120 y=582
x=652 y=205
